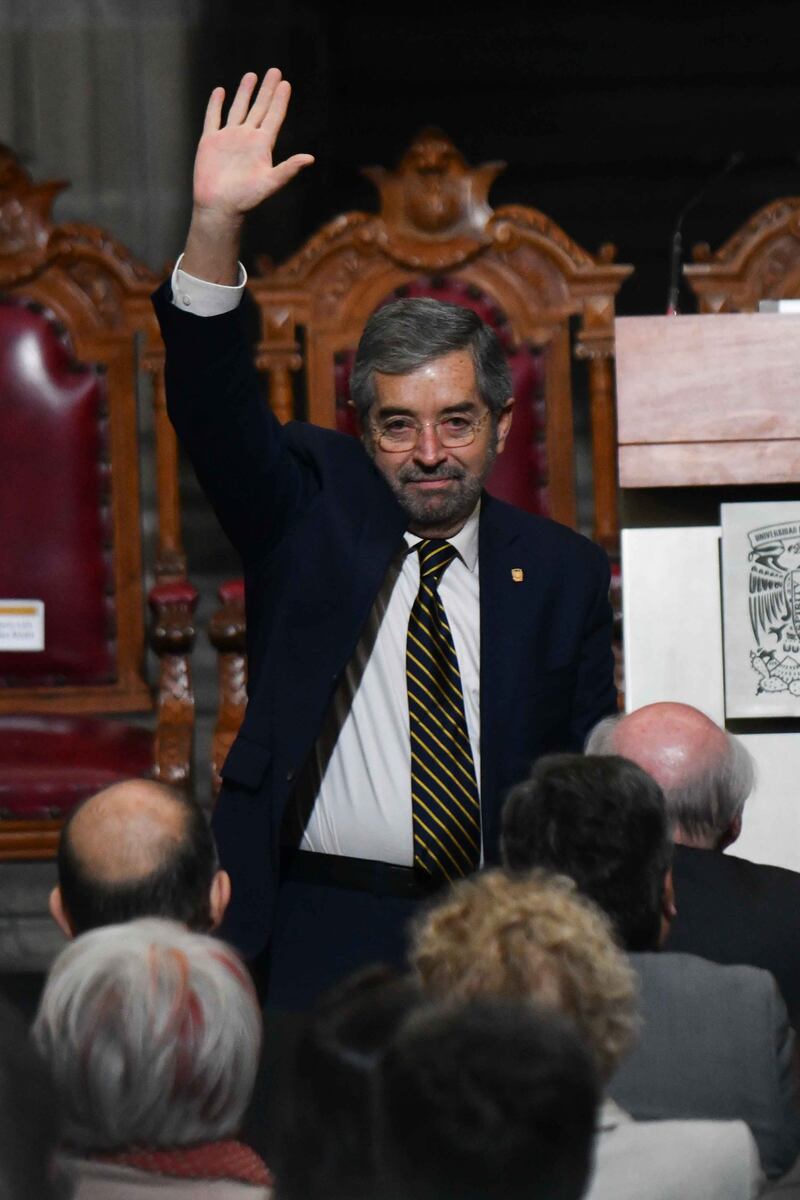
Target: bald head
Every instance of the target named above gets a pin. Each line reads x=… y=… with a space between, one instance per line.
x=706 y=774
x=672 y=742
x=135 y=849
x=126 y=831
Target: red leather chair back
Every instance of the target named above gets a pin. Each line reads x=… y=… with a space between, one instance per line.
x=54 y=499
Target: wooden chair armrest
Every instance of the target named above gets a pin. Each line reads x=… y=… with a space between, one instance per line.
x=172 y=637
x=227 y=633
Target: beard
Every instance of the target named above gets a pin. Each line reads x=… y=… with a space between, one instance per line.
x=430 y=511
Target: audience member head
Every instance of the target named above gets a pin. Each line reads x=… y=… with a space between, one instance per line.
x=152 y=1034
x=492 y=1100
x=705 y=773
x=325 y=1148
x=603 y=822
x=138 y=849
x=28 y=1115
x=531 y=937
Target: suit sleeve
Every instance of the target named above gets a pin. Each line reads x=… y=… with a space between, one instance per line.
x=221 y=416
x=784 y=1136
x=595 y=691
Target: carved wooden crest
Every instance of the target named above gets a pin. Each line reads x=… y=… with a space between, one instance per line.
x=30 y=241
x=760 y=261
x=25 y=215
x=433 y=197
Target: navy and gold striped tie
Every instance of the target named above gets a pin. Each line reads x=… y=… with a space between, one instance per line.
x=445 y=805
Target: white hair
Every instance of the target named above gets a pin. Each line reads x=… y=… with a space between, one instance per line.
x=707 y=802
x=152 y=1034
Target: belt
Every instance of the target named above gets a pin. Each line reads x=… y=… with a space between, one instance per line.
x=357 y=874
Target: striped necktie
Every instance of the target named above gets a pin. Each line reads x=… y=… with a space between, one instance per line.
x=445 y=806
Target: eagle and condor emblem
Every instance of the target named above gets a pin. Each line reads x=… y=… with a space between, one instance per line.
x=761 y=605
x=775 y=607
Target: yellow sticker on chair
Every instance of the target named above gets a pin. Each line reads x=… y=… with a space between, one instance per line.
x=21 y=625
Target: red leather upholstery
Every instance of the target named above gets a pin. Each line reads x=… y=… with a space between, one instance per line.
x=232 y=590
x=48 y=764
x=180 y=591
x=54 y=498
x=519 y=475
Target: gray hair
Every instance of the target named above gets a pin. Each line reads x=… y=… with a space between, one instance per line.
x=152 y=1034
x=706 y=803
x=405 y=335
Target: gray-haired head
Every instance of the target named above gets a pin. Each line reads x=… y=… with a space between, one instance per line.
x=406 y=334
x=152 y=1034
x=706 y=774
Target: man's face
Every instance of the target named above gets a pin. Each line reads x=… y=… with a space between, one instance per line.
x=438 y=486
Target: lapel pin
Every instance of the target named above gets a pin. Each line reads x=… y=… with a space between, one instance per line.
x=517 y=574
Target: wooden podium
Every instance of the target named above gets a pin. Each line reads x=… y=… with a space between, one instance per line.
x=708 y=400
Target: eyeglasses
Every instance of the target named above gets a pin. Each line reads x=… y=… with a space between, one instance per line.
x=397 y=434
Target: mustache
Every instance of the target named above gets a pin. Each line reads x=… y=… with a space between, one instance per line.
x=412 y=473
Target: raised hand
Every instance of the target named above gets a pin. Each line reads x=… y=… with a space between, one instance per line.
x=234 y=169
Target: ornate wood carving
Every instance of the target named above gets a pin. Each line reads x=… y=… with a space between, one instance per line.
x=760 y=261
x=172 y=638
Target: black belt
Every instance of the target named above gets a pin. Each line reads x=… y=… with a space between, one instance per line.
x=358 y=874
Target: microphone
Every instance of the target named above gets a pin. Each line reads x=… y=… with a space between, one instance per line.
x=676 y=246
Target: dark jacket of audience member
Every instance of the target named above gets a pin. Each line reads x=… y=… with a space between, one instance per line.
x=324 y=1143
x=29 y=1126
x=602 y=821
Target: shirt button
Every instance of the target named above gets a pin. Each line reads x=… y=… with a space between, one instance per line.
x=187 y=300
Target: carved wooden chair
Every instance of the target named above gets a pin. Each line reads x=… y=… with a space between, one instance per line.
x=72 y=302
x=761 y=261
x=549 y=300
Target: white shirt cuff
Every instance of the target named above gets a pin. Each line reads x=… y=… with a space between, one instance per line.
x=202 y=298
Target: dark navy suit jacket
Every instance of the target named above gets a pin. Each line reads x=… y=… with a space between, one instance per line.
x=317 y=526
x=734 y=911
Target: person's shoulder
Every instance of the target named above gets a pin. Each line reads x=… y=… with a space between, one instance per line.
x=303 y=433
x=546 y=533
x=328 y=447
x=765 y=874
x=687 y=970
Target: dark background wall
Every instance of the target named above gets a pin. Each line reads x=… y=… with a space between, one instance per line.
x=609 y=120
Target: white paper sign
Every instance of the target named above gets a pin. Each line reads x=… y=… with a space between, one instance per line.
x=21 y=625
x=761 y=608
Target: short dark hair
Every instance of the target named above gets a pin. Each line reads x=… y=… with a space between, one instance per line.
x=177 y=887
x=492 y=1100
x=406 y=334
x=324 y=1145
x=602 y=821
x=29 y=1119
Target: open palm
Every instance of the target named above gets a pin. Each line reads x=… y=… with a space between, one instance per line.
x=233 y=168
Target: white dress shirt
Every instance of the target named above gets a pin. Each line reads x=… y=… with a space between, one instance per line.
x=354 y=794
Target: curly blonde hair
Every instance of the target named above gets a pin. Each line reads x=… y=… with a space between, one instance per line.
x=531 y=936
